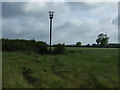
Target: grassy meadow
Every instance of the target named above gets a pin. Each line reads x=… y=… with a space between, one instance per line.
x=76 y=68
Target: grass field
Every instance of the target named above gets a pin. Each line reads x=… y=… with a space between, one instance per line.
x=77 y=68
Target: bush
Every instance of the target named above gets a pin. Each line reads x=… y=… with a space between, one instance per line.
x=59 y=49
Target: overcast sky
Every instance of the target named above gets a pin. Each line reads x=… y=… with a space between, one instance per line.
x=72 y=21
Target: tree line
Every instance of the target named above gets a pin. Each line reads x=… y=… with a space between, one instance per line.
x=24 y=45
x=39 y=47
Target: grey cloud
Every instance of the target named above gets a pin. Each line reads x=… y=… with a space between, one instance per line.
x=81 y=30
x=115 y=21
x=18 y=9
x=30 y=28
x=83 y=6
x=30 y=20
x=78 y=5
x=12 y=9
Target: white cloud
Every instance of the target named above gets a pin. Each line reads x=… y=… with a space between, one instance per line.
x=35 y=7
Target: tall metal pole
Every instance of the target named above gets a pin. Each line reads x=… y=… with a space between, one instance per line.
x=50 y=17
x=50 y=33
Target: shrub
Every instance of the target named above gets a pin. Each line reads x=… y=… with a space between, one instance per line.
x=59 y=49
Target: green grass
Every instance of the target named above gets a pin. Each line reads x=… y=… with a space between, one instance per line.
x=77 y=68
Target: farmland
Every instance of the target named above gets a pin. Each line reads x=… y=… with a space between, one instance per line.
x=76 y=68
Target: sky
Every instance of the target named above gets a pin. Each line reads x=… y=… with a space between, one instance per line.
x=72 y=21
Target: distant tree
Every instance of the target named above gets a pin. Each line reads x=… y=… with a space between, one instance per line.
x=98 y=41
x=78 y=44
x=102 y=39
x=88 y=45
